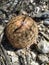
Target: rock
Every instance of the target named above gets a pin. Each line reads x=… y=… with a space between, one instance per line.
x=15 y=59
x=37 y=9
x=34 y=63
x=46 y=22
x=42 y=15
x=45 y=35
x=6 y=21
x=31 y=1
x=10 y=53
x=27 y=57
x=43 y=58
x=1 y=29
x=43 y=46
x=24 y=52
x=33 y=55
x=16 y=63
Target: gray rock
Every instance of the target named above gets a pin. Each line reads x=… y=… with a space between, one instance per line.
x=33 y=55
x=27 y=57
x=34 y=63
x=11 y=53
x=28 y=53
x=15 y=59
x=15 y=63
x=43 y=58
x=46 y=22
x=1 y=29
x=43 y=46
x=37 y=9
x=44 y=14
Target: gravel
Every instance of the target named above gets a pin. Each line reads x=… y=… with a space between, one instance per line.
x=39 y=11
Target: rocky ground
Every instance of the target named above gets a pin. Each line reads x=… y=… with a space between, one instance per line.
x=36 y=54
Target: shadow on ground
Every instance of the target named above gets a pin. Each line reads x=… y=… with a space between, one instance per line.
x=6 y=44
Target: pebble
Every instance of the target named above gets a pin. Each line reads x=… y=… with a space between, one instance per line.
x=25 y=52
x=46 y=22
x=10 y=53
x=14 y=59
x=45 y=35
x=33 y=55
x=1 y=29
x=34 y=63
x=28 y=56
x=31 y=1
x=24 y=12
x=43 y=46
x=6 y=21
x=15 y=63
x=43 y=58
x=37 y=9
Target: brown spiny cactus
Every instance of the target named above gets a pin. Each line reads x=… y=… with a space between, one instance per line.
x=21 y=31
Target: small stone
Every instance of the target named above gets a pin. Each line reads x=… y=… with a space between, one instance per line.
x=11 y=53
x=43 y=46
x=34 y=63
x=16 y=63
x=31 y=1
x=21 y=52
x=43 y=58
x=33 y=55
x=24 y=12
x=27 y=55
x=46 y=22
x=48 y=30
x=1 y=29
x=6 y=21
x=46 y=35
x=37 y=9
x=14 y=59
